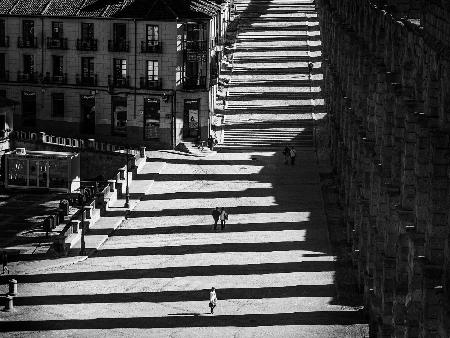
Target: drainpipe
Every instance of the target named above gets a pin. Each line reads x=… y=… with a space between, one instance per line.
x=42 y=45
x=174 y=119
x=135 y=69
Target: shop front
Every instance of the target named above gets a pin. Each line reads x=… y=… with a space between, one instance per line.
x=58 y=171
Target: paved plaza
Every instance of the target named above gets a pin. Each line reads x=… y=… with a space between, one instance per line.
x=271 y=266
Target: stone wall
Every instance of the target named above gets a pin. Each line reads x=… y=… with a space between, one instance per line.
x=387 y=76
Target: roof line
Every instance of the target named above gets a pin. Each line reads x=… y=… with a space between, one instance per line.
x=170 y=8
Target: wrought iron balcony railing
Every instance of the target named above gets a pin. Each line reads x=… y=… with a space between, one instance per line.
x=147 y=83
x=118 y=46
x=27 y=42
x=197 y=82
x=153 y=46
x=29 y=77
x=118 y=82
x=87 y=44
x=196 y=45
x=86 y=80
x=56 y=43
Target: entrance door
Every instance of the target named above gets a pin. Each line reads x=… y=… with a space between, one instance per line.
x=191 y=118
x=43 y=174
x=33 y=173
x=87 y=125
x=151 y=119
x=28 y=109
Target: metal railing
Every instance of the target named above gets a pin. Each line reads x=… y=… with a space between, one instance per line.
x=56 y=43
x=87 y=44
x=147 y=83
x=118 y=46
x=90 y=80
x=151 y=46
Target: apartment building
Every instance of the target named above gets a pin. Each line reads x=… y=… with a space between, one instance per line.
x=123 y=71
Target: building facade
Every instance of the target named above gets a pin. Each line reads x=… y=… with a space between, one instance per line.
x=127 y=72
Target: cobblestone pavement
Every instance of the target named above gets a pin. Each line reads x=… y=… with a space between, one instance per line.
x=271 y=265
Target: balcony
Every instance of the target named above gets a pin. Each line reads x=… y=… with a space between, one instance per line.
x=118 y=46
x=196 y=45
x=153 y=46
x=56 y=43
x=31 y=77
x=198 y=82
x=88 y=81
x=4 y=76
x=4 y=41
x=118 y=82
x=150 y=84
x=87 y=44
x=56 y=79
x=27 y=42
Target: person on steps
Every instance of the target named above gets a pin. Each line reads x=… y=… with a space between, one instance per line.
x=223 y=218
x=216 y=215
x=212 y=299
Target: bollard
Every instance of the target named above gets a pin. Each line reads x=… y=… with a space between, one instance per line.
x=112 y=185
x=142 y=152
x=12 y=287
x=9 y=303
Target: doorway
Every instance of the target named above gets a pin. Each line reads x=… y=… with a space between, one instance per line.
x=87 y=105
x=191 y=123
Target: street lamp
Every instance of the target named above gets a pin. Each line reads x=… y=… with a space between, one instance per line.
x=127 y=188
x=83 y=243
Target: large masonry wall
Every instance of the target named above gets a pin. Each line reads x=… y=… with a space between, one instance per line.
x=387 y=75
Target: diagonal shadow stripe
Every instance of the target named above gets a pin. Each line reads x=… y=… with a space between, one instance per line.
x=242 y=227
x=213 y=248
x=249 y=320
x=327 y=290
x=171 y=272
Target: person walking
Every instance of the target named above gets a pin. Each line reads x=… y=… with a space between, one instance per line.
x=5 y=262
x=223 y=218
x=212 y=299
x=216 y=215
x=286 y=153
x=292 y=154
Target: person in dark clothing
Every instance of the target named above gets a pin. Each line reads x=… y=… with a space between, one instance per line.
x=5 y=262
x=286 y=153
x=223 y=218
x=216 y=216
x=292 y=154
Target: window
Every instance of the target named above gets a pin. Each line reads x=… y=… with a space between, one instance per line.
x=57 y=30
x=57 y=65
x=87 y=31
x=58 y=104
x=152 y=35
x=152 y=70
x=2 y=33
x=28 y=30
x=87 y=67
x=119 y=32
x=2 y=64
x=28 y=64
x=120 y=68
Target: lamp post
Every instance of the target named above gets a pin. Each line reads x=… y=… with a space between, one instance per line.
x=127 y=188
x=83 y=243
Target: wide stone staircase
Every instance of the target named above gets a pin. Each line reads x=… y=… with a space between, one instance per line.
x=272 y=99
